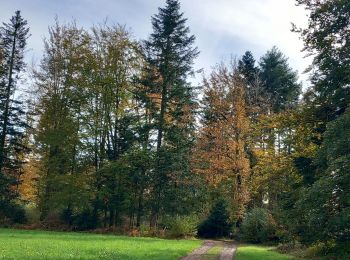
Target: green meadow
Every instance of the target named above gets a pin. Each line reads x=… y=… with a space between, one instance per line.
x=25 y=244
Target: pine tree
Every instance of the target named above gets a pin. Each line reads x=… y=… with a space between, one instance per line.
x=279 y=80
x=13 y=40
x=170 y=53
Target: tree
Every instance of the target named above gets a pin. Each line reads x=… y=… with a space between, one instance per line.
x=326 y=38
x=218 y=222
x=325 y=206
x=326 y=202
x=258 y=226
x=112 y=115
x=279 y=80
x=221 y=154
x=170 y=53
x=13 y=40
x=247 y=67
x=60 y=84
x=257 y=100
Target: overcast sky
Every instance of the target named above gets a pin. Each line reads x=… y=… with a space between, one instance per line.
x=223 y=28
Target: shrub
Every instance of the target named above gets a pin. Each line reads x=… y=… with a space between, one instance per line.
x=329 y=250
x=217 y=224
x=81 y=220
x=182 y=226
x=291 y=246
x=53 y=221
x=144 y=230
x=32 y=213
x=258 y=226
x=66 y=216
x=12 y=213
x=85 y=220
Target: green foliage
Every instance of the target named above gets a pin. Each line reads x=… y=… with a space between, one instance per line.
x=258 y=226
x=328 y=250
x=13 y=40
x=217 y=224
x=326 y=203
x=170 y=53
x=326 y=38
x=181 y=226
x=279 y=80
x=247 y=67
x=11 y=213
x=32 y=213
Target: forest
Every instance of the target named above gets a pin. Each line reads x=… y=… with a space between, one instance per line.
x=114 y=134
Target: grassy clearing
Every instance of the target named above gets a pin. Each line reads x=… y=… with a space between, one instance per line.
x=259 y=253
x=23 y=244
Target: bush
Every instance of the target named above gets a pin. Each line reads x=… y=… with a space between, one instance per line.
x=85 y=220
x=11 y=213
x=258 y=226
x=32 y=213
x=291 y=246
x=145 y=230
x=67 y=216
x=329 y=250
x=53 y=221
x=182 y=226
x=217 y=224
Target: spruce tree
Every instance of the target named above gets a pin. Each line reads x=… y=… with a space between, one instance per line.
x=170 y=53
x=247 y=67
x=256 y=98
x=218 y=222
x=279 y=80
x=13 y=40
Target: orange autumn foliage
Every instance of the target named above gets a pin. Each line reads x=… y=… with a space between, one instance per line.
x=221 y=150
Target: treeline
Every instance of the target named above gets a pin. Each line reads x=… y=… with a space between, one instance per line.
x=115 y=135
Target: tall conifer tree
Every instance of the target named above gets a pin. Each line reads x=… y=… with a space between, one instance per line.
x=279 y=80
x=13 y=40
x=170 y=51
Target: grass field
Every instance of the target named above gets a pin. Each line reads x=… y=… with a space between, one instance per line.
x=23 y=244
x=259 y=253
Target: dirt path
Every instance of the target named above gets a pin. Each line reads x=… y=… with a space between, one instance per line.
x=228 y=250
x=197 y=253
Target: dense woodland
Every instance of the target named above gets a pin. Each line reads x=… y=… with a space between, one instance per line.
x=114 y=135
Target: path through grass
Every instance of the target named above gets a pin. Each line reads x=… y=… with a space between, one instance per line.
x=23 y=244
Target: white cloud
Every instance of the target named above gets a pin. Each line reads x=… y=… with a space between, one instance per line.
x=222 y=27
x=260 y=23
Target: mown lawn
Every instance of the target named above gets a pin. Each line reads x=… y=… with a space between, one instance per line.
x=250 y=252
x=23 y=244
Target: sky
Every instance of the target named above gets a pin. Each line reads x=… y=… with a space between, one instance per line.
x=223 y=28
